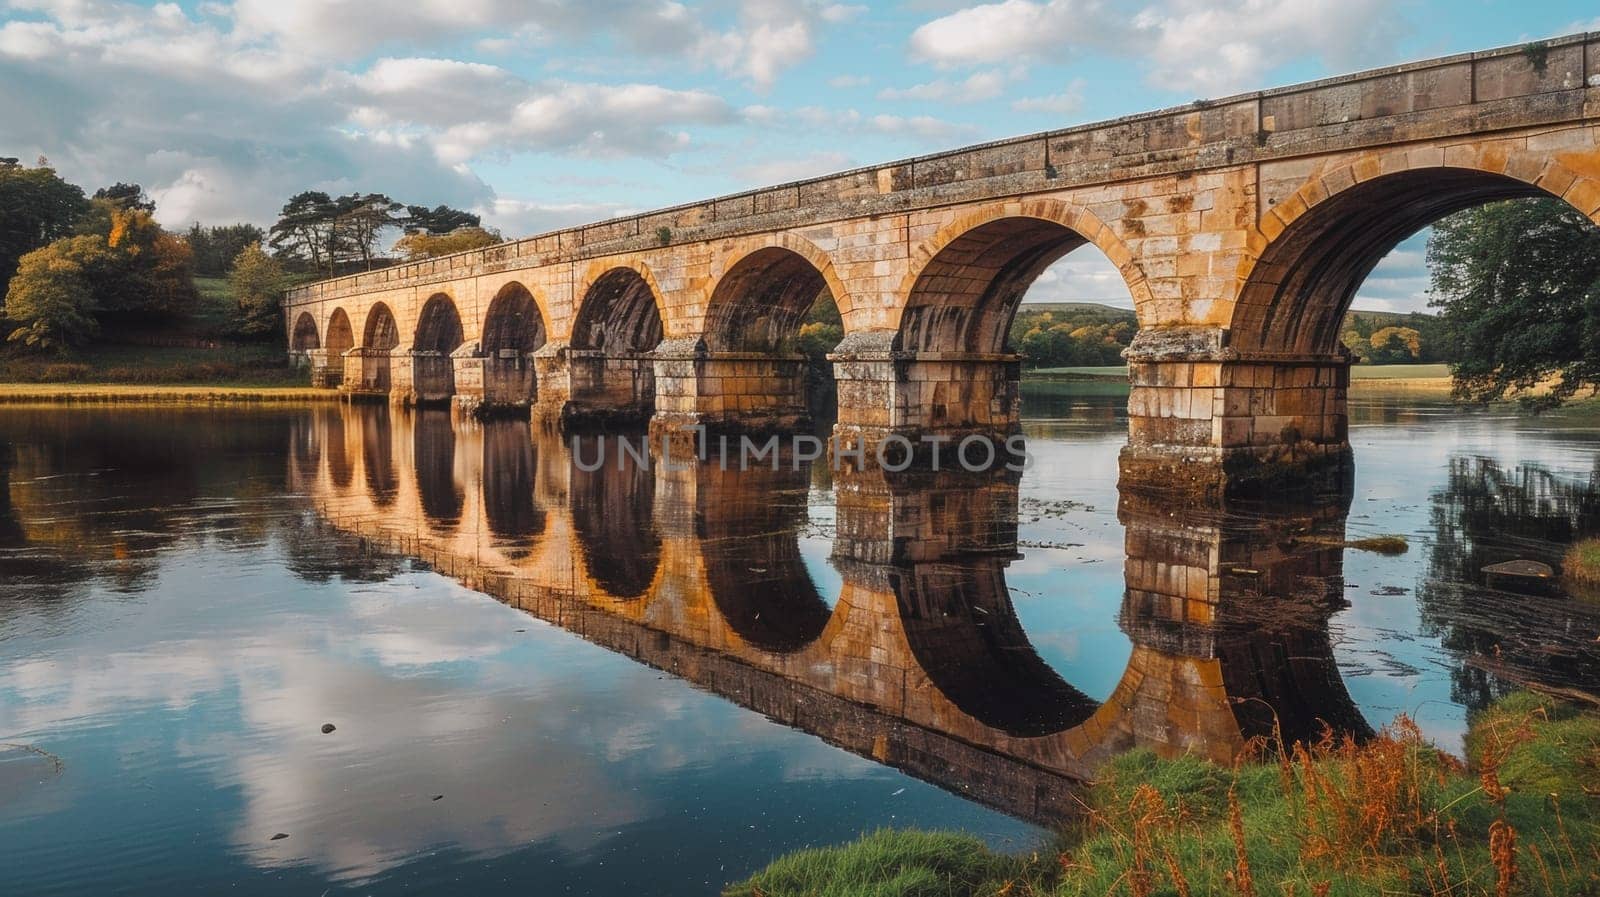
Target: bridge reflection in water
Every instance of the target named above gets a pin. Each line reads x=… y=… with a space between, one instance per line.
x=919 y=661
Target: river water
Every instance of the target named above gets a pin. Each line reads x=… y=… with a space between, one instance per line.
x=642 y=679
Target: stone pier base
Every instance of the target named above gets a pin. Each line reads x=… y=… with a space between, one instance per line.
x=494 y=385
x=728 y=392
x=929 y=401
x=368 y=373
x=1205 y=423
x=326 y=367
x=590 y=389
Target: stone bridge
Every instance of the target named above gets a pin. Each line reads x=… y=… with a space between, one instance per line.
x=1242 y=228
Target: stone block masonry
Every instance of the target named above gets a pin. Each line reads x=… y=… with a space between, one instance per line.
x=1242 y=228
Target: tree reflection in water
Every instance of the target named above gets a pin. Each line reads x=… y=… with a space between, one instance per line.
x=1502 y=640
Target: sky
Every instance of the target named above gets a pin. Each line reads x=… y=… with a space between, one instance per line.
x=545 y=113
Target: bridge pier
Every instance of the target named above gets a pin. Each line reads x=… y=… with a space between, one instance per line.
x=1207 y=423
x=502 y=381
x=367 y=372
x=932 y=400
x=592 y=388
x=326 y=367
x=728 y=392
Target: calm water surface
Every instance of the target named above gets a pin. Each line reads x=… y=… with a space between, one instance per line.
x=689 y=672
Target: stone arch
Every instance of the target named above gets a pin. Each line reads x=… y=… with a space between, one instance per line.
x=305 y=334
x=1323 y=241
x=381 y=332
x=965 y=282
x=515 y=322
x=341 y=338
x=767 y=285
x=438 y=326
x=620 y=310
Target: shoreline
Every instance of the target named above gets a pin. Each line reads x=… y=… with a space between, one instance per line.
x=132 y=393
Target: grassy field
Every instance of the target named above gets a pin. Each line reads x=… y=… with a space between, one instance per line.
x=207 y=357
x=1390 y=816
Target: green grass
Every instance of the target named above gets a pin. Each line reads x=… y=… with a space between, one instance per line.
x=231 y=365
x=1582 y=563
x=1392 y=816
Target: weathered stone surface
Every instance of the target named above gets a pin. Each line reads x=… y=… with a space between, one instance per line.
x=1241 y=227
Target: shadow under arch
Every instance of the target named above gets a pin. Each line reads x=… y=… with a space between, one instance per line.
x=1297 y=292
x=341 y=338
x=510 y=468
x=438 y=335
x=610 y=355
x=758 y=304
x=381 y=331
x=748 y=523
x=964 y=294
x=613 y=515
x=377 y=454
x=305 y=334
x=433 y=441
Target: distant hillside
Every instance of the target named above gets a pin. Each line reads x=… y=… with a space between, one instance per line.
x=1066 y=334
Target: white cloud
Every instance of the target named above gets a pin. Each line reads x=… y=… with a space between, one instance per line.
x=979 y=86
x=778 y=171
x=522 y=218
x=1193 y=45
x=816 y=119
x=1066 y=102
x=849 y=81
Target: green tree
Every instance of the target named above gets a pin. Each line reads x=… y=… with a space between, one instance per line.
x=215 y=248
x=51 y=299
x=438 y=220
x=257 y=280
x=126 y=196
x=36 y=208
x=362 y=218
x=305 y=230
x=1518 y=283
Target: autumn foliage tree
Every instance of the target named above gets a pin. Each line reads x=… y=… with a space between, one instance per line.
x=424 y=245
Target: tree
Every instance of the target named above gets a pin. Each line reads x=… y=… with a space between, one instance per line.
x=438 y=220
x=215 y=248
x=1519 y=286
x=1395 y=345
x=422 y=245
x=305 y=230
x=154 y=275
x=36 y=208
x=51 y=298
x=363 y=218
x=257 y=280
x=126 y=196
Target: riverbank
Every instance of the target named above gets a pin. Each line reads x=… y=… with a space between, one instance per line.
x=1392 y=815
x=187 y=394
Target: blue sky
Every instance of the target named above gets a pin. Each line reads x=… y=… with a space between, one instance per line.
x=543 y=113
